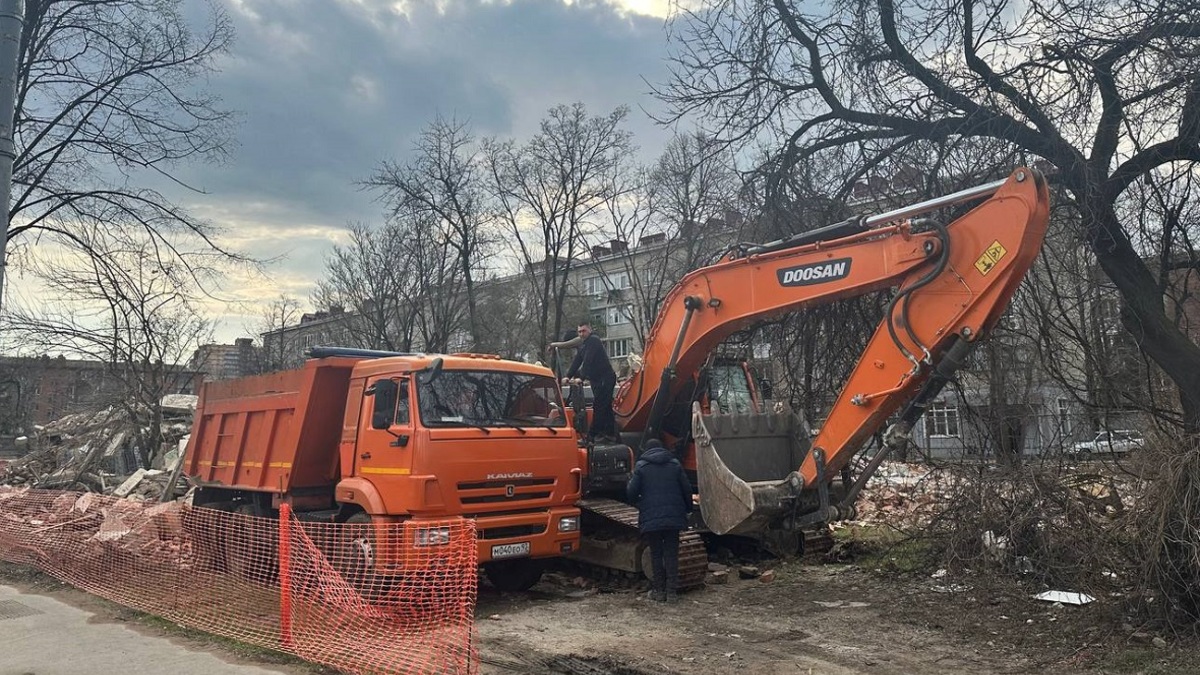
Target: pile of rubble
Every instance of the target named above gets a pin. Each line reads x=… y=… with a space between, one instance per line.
x=901 y=494
x=95 y=452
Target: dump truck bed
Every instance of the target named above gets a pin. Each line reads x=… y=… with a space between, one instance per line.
x=271 y=433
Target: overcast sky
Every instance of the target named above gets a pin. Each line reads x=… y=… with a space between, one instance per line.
x=327 y=89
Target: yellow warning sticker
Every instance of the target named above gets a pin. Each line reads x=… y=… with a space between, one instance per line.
x=990 y=257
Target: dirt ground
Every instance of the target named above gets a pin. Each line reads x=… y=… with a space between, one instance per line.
x=812 y=619
x=835 y=619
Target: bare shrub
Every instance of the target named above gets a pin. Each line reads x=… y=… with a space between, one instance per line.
x=1167 y=531
x=1127 y=531
x=1050 y=526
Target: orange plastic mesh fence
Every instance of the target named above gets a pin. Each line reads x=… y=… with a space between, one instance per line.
x=362 y=598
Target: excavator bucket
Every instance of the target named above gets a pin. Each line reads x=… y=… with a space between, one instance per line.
x=746 y=468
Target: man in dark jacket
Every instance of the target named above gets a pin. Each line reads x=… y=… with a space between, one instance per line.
x=663 y=495
x=591 y=363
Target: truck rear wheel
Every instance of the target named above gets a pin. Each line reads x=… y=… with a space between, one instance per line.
x=201 y=526
x=251 y=547
x=514 y=575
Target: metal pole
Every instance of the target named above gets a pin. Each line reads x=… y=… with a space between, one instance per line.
x=12 y=21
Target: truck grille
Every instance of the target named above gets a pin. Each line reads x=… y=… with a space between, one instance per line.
x=503 y=491
x=492 y=499
x=520 y=482
x=512 y=531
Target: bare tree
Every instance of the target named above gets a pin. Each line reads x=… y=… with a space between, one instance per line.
x=673 y=217
x=550 y=189
x=128 y=312
x=369 y=278
x=108 y=104
x=446 y=185
x=1105 y=91
x=276 y=351
x=401 y=285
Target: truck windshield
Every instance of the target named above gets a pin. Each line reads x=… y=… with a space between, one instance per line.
x=729 y=388
x=490 y=398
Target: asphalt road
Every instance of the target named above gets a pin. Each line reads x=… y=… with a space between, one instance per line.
x=42 y=636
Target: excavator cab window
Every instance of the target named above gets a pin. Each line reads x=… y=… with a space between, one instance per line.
x=729 y=388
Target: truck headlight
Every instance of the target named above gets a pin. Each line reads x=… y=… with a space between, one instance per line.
x=433 y=536
x=568 y=524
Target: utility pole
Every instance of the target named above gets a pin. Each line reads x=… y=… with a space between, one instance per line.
x=12 y=21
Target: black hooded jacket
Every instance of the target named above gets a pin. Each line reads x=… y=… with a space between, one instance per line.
x=660 y=489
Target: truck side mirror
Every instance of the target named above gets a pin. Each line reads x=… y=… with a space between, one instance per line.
x=431 y=372
x=384 y=408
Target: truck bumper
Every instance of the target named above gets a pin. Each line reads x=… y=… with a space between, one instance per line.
x=508 y=536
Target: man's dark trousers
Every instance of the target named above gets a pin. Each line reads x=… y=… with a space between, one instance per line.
x=664 y=557
x=603 y=421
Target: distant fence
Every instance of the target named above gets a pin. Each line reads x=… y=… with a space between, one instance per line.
x=356 y=597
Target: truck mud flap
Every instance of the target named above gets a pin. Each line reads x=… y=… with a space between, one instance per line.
x=746 y=467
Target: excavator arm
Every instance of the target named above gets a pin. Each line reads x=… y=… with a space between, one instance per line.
x=952 y=284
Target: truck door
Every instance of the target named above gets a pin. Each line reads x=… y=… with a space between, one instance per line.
x=386 y=431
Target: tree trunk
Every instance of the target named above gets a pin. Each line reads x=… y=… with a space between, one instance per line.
x=1142 y=310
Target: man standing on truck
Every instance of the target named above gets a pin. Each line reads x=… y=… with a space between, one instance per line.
x=591 y=362
x=663 y=495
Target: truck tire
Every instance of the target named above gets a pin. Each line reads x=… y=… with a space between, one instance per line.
x=252 y=546
x=513 y=576
x=354 y=559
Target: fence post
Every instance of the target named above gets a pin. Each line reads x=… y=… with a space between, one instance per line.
x=285 y=575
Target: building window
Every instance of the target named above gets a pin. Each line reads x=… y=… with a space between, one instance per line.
x=599 y=286
x=619 y=347
x=942 y=420
x=1064 y=417
x=618 y=314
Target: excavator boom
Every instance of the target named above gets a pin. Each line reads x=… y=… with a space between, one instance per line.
x=952 y=283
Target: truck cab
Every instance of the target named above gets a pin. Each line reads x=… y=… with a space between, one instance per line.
x=471 y=435
x=394 y=439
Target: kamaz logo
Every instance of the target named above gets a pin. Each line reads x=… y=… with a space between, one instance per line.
x=507 y=476
x=815 y=273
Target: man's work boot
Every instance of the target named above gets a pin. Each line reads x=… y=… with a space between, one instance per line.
x=658 y=596
x=670 y=597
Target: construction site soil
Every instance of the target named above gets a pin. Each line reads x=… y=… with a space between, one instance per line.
x=811 y=618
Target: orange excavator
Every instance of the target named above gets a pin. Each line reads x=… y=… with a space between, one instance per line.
x=759 y=472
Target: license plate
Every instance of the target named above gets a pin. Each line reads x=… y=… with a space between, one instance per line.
x=510 y=550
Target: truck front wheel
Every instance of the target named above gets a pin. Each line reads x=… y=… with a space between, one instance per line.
x=514 y=575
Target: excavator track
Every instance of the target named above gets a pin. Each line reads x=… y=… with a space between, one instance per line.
x=614 y=543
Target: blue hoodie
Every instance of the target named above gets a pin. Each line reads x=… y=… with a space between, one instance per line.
x=660 y=489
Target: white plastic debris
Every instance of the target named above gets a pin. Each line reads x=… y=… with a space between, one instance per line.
x=1065 y=597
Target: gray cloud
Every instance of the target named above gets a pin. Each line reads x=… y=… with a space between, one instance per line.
x=326 y=89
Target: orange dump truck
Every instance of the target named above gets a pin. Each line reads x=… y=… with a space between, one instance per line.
x=358 y=436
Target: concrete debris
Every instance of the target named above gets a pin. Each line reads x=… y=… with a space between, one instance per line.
x=181 y=403
x=105 y=452
x=748 y=572
x=718 y=577
x=767 y=577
